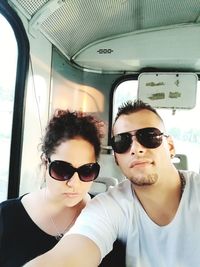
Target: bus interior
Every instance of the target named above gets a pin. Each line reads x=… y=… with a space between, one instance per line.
x=93 y=56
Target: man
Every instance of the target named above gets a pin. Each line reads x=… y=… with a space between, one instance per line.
x=155 y=212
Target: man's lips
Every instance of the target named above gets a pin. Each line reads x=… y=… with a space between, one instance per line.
x=140 y=163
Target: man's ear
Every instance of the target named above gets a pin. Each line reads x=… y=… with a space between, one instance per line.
x=171 y=146
x=115 y=159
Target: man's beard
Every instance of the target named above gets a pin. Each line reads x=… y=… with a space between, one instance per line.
x=141 y=180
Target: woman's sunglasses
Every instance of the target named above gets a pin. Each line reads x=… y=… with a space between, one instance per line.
x=63 y=171
x=148 y=137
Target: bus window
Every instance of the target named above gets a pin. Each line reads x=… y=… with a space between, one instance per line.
x=8 y=65
x=126 y=90
x=184 y=130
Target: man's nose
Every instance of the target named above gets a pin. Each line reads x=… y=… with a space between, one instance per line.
x=136 y=147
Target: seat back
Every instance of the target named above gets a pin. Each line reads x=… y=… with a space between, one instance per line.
x=110 y=175
x=180 y=161
x=101 y=184
x=109 y=168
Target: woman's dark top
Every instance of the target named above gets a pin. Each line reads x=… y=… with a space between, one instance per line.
x=22 y=240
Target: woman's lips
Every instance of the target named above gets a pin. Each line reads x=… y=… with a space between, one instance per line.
x=71 y=195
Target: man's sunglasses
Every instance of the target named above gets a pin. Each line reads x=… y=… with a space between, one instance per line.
x=148 y=137
x=63 y=171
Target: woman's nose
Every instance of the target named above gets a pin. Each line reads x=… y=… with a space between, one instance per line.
x=74 y=180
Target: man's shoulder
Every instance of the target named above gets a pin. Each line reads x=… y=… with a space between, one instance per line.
x=190 y=174
x=192 y=179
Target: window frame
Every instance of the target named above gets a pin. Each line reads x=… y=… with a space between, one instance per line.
x=19 y=95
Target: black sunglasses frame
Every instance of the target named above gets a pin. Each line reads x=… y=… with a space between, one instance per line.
x=149 y=137
x=86 y=170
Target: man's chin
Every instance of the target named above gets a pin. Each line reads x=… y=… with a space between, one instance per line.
x=143 y=180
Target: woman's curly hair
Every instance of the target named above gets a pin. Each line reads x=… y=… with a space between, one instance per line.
x=66 y=125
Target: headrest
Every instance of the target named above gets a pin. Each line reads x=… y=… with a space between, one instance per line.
x=180 y=162
x=101 y=184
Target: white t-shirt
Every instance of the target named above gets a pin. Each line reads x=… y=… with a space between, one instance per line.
x=118 y=214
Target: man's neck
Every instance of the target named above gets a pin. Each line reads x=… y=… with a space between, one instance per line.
x=161 y=200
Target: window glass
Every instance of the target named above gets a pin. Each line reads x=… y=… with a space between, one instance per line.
x=182 y=125
x=126 y=90
x=8 y=64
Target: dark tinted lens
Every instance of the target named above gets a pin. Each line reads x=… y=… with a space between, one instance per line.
x=60 y=170
x=149 y=137
x=121 y=142
x=88 y=172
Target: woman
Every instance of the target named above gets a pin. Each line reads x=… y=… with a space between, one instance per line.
x=32 y=224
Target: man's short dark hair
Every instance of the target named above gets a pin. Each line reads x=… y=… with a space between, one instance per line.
x=130 y=107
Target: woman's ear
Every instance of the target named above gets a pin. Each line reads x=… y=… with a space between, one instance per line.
x=46 y=163
x=43 y=170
